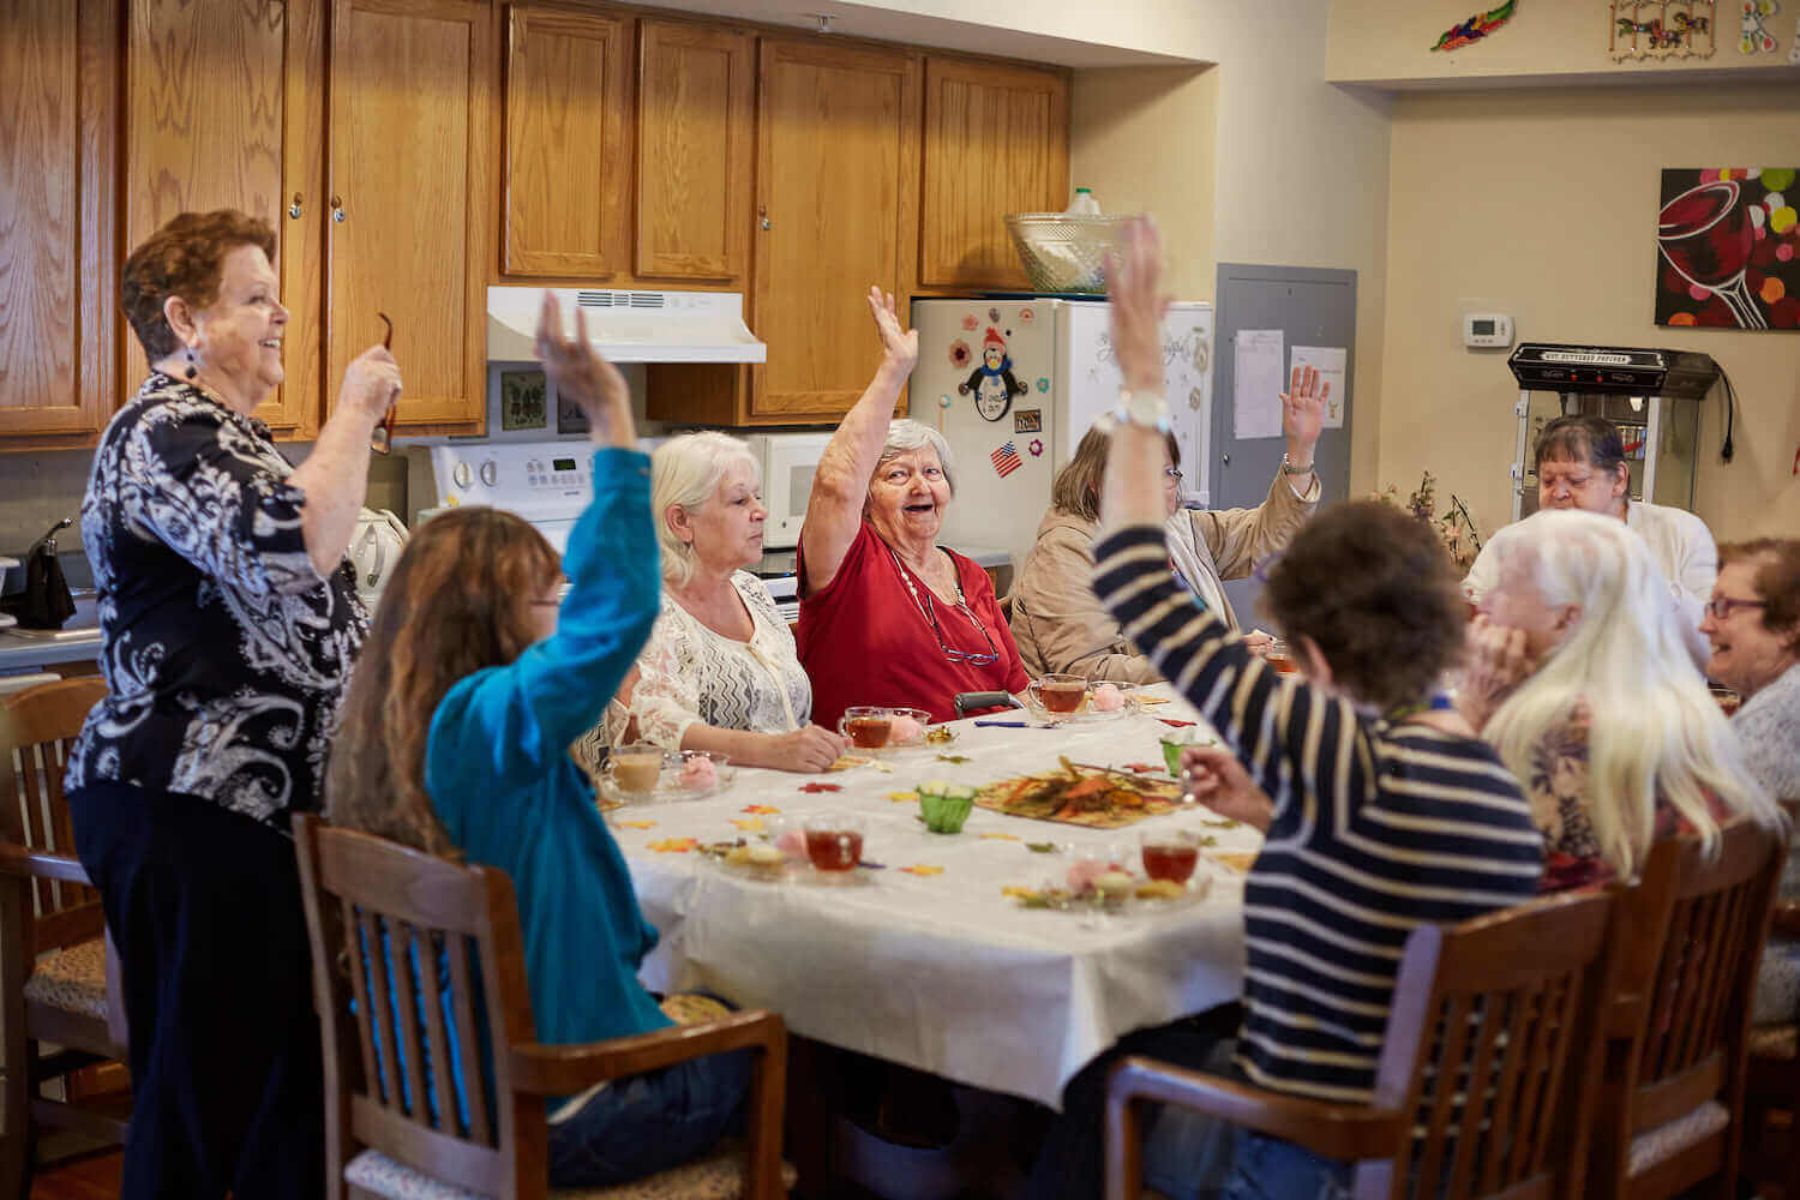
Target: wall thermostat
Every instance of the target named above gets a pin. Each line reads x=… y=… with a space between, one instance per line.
x=1487 y=330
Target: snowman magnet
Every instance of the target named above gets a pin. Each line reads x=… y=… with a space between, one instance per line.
x=993 y=383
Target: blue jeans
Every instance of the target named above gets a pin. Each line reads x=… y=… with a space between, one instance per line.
x=648 y=1123
x=1266 y=1168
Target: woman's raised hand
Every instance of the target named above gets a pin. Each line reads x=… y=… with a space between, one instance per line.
x=1303 y=413
x=584 y=377
x=899 y=345
x=371 y=384
x=1133 y=288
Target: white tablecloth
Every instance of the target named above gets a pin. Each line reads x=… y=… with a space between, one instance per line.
x=941 y=972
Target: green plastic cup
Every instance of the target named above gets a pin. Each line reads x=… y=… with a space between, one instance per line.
x=1172 y=746
x=946 y=809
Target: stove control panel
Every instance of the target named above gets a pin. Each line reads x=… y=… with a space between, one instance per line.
x=513 y=475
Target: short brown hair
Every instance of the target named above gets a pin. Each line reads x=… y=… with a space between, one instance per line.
x=1076 y=488
x=1375 y=591
x=183 y=259
x=1582 y=438
x=455 y=605
x=1777 y=581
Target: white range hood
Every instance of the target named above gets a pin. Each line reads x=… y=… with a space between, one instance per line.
x=628 y=326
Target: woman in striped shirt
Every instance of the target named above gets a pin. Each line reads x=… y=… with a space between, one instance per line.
x=1386 y=812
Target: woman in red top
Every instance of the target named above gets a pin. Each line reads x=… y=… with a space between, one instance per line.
x=887 y=616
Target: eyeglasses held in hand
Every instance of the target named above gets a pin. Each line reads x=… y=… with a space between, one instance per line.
x=1720 y=608
x=381 y=440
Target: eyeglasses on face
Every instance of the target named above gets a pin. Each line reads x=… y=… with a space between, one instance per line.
x=1172 y=475
x=1720 y=608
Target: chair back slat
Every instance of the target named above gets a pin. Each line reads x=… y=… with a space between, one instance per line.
x=410 y=927
x=1689 y=940
x=37 y=728
x=1508 y=1002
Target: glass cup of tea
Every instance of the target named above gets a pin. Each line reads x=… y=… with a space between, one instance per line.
x=1281 y=657
x=1060 y=695
x=635 y=769
x=866 y=726
x=834 y=841
x=1169 y=854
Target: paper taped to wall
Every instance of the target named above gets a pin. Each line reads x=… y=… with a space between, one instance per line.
x=1257 y=384
x=1329 y=361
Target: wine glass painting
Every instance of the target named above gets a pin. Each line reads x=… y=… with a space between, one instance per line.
x=1728 y=249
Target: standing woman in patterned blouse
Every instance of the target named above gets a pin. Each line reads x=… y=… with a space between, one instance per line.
x=720 y=672
x=228 y=623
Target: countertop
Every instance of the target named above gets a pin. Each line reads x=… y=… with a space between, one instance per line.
x=77 y=641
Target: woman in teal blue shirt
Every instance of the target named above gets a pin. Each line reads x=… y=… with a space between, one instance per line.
x=455 y=739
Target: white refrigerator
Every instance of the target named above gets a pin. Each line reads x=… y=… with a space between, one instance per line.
x=1014 y=384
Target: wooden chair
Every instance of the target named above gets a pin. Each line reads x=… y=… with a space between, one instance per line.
x=1772 y=1072
x=58 y=980
x=1502 y=1008
x=1687 y=944
x=412 y=1136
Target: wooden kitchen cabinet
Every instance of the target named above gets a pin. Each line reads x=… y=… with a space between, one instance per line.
x=695 y=140
x=996 y=142
x=59 y=60
x=837 y=198
x=224 y=108
x=409 y=191
x=567 y=183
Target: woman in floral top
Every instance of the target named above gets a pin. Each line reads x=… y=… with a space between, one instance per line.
x=228 y=624
x=1581 y=680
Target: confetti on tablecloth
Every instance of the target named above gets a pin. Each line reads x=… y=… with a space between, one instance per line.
x=923 y=869
x=635 y=824
x=954 y=759
x=903 y=797
x=682 y=845
x=1172 y=723
x=749 y=824
x=761 y=810
x=813 y=789
x=1000 y=837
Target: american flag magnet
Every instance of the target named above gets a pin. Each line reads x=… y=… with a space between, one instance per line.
x=1006 y=460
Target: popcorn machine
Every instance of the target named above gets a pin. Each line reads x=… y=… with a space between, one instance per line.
x=1653 y=396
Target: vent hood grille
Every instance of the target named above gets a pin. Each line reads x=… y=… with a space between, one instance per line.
x=628 y=326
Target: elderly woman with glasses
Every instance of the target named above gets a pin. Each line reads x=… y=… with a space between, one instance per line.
x=887 y=616
x=1060 y=624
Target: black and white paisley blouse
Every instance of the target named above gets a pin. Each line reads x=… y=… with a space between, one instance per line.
x=225 y=653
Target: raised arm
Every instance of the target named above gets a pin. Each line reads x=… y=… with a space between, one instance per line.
x=841 y=483
x=523 y=717
x=335 y=476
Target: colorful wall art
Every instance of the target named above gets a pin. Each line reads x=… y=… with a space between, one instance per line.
x=1728 y=248
x=1663 y=29
x=1476 y=27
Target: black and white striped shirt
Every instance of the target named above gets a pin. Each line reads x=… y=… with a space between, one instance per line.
x=1378 y=828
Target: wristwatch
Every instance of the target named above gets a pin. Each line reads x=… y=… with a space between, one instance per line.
x=1290 y=468
x=1147 y=409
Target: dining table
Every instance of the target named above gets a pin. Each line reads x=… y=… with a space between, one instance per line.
x=929 y=954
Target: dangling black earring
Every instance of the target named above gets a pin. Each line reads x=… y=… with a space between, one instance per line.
x=193 y=368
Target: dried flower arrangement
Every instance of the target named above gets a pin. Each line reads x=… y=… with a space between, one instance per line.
x=1455 y=529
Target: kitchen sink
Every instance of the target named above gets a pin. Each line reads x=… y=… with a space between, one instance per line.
x=84 y=623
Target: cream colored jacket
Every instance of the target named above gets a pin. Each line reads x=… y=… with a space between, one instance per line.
x=1060 y=625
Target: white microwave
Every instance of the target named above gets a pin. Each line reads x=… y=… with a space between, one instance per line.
x=788 y=461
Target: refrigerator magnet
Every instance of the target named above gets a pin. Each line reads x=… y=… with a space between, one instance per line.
x=1036 y=447
x=1028 y=420
x=1006 y=460
x=992 y=382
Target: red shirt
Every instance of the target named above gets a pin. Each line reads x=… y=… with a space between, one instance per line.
x=864 y=638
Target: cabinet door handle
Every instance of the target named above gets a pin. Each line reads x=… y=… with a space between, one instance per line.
x=337 y=210
x=294 y=208
x=762 y=218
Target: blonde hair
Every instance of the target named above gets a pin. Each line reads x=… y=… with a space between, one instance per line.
x=1655 y=732
x=687 y=471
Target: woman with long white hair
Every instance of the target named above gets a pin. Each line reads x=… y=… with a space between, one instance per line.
x=720 y=672
x=1610 y=725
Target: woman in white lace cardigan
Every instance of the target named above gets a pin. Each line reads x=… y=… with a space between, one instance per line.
x=720 y=672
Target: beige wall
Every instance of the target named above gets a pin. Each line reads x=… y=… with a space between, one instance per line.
x=1391 y=40
x=1254 y=160
x=1543 y=204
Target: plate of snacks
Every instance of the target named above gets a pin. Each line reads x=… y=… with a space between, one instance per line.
x=1070 y=698
x=687 y=775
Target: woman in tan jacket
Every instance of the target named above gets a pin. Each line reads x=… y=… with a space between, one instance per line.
x=1058 y=622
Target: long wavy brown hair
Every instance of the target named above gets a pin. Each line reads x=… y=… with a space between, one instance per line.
x=458 y=601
